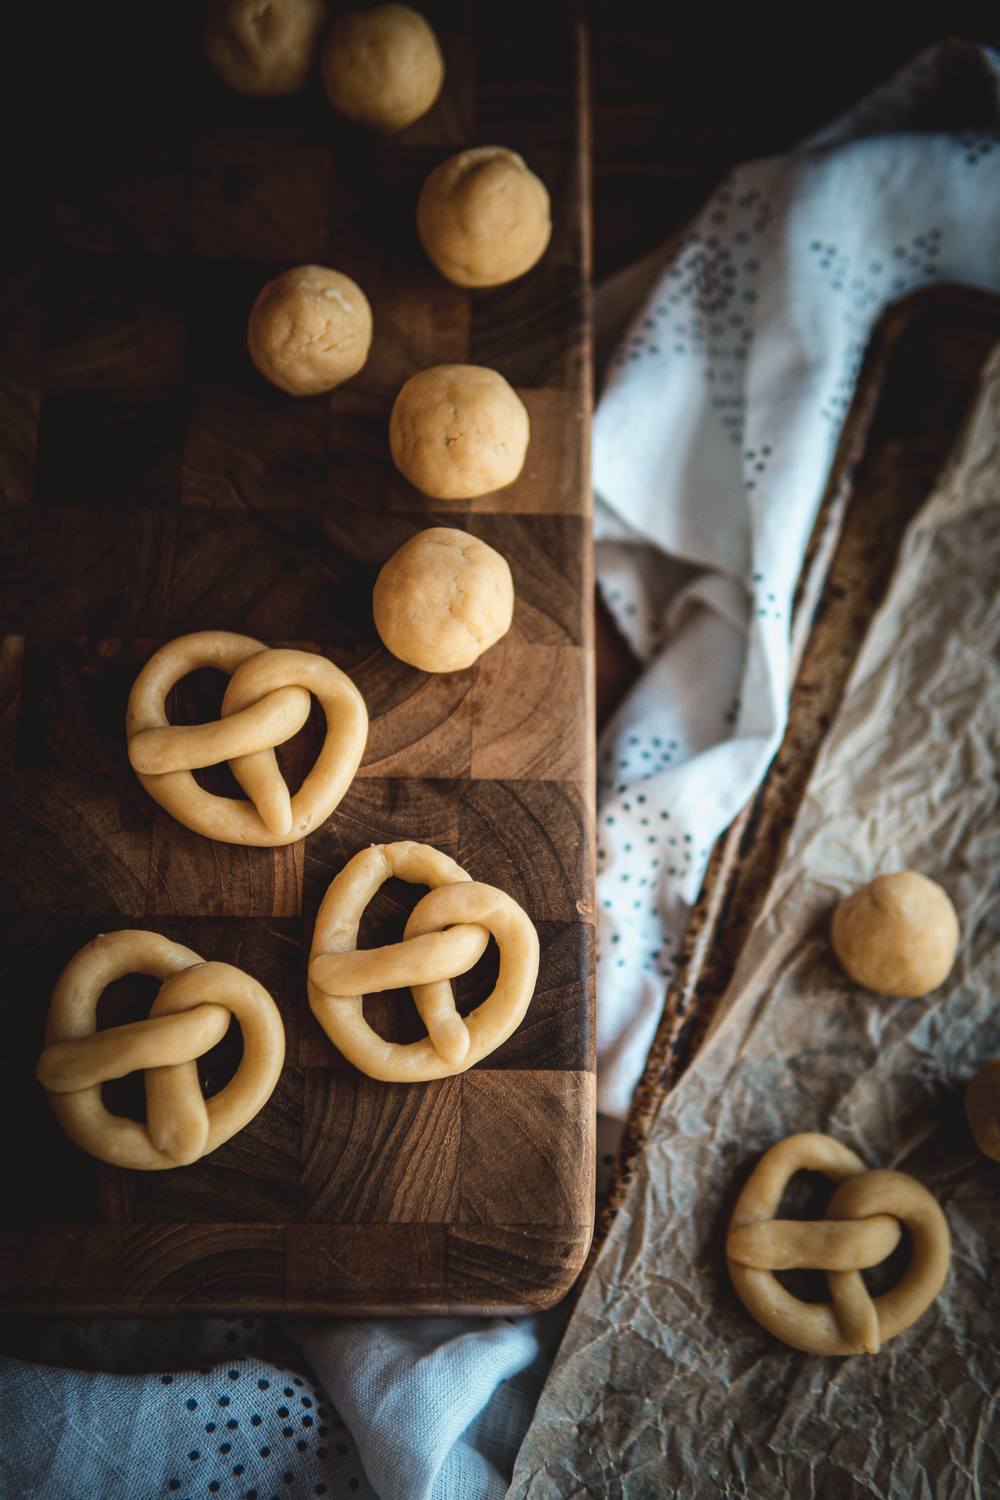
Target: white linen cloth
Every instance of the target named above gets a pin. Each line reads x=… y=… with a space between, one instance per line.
x=711 y=447
x=438 y=1406
x=713 y=440
x=243 y=1409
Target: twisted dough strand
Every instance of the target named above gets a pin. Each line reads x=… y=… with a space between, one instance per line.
x=266 y=702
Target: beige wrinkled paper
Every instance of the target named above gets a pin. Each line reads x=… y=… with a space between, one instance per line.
x=664 y=1386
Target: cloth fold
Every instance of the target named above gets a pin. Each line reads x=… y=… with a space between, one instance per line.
x=393 y=1408
x=139 y=1409
x=435 y=1403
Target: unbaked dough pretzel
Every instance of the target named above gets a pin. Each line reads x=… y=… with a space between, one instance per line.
x=982 y=1108
x=266 y=702
x=189 y=1015
x=427 y=958
x=862 y=1227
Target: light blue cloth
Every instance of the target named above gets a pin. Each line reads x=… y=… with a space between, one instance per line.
x=439 y=1405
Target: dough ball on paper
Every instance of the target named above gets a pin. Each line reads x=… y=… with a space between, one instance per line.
x=383 y=67
x=310 y=328
x=442 y=599
x=484 y=217
x=264 y=47
x=897 y=935
x=457 y=431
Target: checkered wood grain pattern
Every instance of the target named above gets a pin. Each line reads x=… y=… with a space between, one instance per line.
x=152 y=484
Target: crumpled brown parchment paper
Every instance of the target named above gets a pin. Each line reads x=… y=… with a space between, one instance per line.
x=664 y=1386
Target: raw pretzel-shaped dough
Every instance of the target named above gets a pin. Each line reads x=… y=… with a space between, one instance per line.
x=426 y=959
x=189 y=1015
x=982 y=1108
x=266 y=702
x=862 y=1227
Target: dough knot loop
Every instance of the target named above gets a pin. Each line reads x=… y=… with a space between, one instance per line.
x=863 y=1225
x=266 y=703
x=447 y=932
x=190 y=1014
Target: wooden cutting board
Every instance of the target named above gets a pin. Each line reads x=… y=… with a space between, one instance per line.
x=155 y=484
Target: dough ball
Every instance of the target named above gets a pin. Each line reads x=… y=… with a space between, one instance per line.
x=483 y=217
x=382 y=68
x=310 y=328
x=982 y=1108
x=263 y=46
x=458 y=431
x=442 y=599
x=897 y=935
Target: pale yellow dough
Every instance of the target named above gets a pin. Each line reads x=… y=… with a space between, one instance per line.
x=309 y=330
x=457 y=431
x=484 y=217
x=442 y=599
x=897 y=935
x=982 y=1108
x=862 y=1226
x=190 y=1014
x=446 y=933
x=383 y=67
x=264 y=47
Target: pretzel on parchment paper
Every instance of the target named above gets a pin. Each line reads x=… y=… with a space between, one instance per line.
x=190 y=1014
x=266 y=703
x=862 y=1226
x=447 y=931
